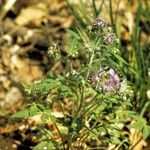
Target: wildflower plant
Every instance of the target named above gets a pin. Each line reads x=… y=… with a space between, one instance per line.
x=98 y=93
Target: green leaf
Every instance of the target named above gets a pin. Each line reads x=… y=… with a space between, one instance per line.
x=34 y=110
x=64 y=91
x=72 y=48
x=81 y=34
x=146 y=131
x=48 y=116
x=45 y=117
x=137 y=125
x=76 y=14
x=21 y=114
x=139 y=119
x=41 y=145
x=84 y=11
x=40 y=107
x=64 y=88
x=50 y=75
x=31 y=110
x=74 y=34
x=120 y=59
x=50 y=145
x=101 y=129
x=115 y=140
x=77 y=125
x=41 y=87
x=114 y=100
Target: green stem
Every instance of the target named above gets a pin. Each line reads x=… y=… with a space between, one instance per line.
x=80 y=105
x=117 y=11
x=144 y=108
x=76 y=116
x=89 y=108
x=90 y=63
x=60 y=136
x=94 y=8
x=119 y=146
x=100 y=7
x=111 y=16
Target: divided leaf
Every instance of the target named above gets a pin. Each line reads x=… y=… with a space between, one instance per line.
x=42 y=87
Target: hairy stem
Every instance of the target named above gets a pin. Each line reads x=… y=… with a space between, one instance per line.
x=60 y=135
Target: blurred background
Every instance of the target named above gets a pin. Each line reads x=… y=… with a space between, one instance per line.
x=29 y=27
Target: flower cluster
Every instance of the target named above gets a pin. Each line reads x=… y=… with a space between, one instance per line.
x=99 y=23
x=54 y=51
x=107 y=80
x=87 y=47
x=112 y=83
x=109 y=37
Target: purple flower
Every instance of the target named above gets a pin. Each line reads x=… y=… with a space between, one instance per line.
x=112 y=83
x=108 y=86
x=110 y=38
x=107 y=80
x=99 y=23
x=113 y=75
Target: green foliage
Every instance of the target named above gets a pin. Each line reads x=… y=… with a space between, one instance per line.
x=40 y=87
x=140 y=60
x=31 y=110
x=101 y=100
x=137 y=66
x=45 y=144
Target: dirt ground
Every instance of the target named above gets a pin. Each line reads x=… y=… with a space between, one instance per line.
x=27 y=29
